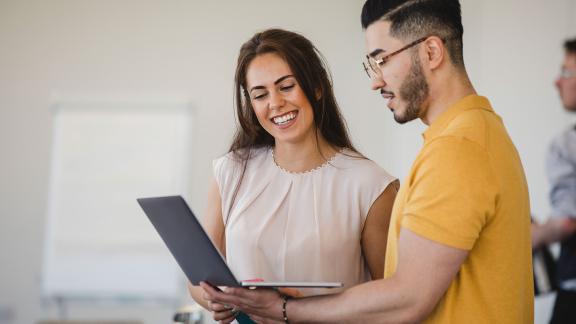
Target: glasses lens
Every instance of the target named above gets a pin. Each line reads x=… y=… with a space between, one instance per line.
x=371 y=67
x=567 y=74
x=367 y=69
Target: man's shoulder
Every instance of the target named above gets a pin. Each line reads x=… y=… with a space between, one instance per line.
x=563 y=145
x=454 y=147
x=473 y=125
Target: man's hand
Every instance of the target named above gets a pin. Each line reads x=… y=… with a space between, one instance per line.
x=262 y=305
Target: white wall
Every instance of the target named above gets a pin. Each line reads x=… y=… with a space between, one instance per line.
x=186 y=50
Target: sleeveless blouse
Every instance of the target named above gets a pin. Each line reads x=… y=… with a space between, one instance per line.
x=286 y=226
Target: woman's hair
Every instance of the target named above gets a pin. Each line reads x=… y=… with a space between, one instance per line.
x=308 y=67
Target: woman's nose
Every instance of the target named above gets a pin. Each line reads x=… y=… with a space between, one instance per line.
x=276 y=100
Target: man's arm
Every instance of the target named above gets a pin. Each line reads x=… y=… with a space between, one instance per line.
x=561 y=171
x=424 y=273
x=555 y=229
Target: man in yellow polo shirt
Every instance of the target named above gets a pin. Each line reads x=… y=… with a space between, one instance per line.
x=458 y=247
x=466 y=192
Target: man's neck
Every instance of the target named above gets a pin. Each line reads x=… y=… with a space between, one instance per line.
x=445 y=91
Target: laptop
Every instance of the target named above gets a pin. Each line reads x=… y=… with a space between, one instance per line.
x=194 y=251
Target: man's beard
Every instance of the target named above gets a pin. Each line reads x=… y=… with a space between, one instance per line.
x=413 y=91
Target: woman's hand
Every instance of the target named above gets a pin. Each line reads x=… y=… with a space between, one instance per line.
x=221 y=312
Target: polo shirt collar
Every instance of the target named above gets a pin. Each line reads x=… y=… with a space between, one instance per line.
x=467 y=103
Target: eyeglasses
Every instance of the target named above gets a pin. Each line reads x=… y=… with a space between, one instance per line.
x=372 y=66
x=567 y=74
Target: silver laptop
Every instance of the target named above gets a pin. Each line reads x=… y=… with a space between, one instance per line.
x=194 y=251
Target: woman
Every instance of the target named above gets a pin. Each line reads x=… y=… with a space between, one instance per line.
x=293 y=200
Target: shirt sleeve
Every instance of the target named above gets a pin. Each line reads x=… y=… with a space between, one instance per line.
x=225 y=171
x=452 y=192
x=374 y=183
x=219 y=171
x=561 y=170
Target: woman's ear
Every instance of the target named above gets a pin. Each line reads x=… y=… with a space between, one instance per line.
x=318 y=93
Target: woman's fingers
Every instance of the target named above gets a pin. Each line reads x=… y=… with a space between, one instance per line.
x=226 y=315
x=217 y=307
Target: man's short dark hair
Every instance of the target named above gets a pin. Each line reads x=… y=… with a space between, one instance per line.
x=570 y=46
x=413 y=19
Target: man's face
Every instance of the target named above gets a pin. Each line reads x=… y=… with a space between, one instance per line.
x=400 y=79
x=566 y=82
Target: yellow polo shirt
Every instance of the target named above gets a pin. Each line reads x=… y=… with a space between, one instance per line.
x=467 y=190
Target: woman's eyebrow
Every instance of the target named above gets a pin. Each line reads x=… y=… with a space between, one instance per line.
x=275 y=82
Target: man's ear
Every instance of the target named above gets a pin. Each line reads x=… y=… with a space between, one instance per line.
x=435 y=52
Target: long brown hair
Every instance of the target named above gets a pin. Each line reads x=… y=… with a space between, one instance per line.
x=309 y=69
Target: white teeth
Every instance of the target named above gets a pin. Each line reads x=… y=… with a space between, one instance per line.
x=284 y=119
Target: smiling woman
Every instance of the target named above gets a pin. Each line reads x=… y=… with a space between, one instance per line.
x=280 y=104
x=293 y=200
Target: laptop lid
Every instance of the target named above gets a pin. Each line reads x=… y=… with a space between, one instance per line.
x=187 y=241
x=194 y=251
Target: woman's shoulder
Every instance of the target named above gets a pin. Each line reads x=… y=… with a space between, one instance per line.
x=362 y=166
x=237 y=158
x=358 y=160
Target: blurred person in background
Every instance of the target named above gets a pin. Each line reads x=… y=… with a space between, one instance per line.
x=561 y=170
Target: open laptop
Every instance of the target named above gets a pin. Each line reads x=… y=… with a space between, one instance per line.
x=194 y=251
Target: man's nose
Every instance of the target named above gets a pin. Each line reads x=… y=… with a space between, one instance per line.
x=377 y=82
x=558 y=82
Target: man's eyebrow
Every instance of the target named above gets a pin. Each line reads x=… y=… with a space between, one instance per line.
x=275 y=82
x=376 y=52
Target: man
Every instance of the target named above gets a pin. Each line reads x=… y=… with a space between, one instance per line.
x=561 y=226
x=459 y=241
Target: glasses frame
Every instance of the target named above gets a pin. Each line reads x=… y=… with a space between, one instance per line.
x=368 y=66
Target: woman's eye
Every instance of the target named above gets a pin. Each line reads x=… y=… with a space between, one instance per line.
x=259 y=96
x=287 y=88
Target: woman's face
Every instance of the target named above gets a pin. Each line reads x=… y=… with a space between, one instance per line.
x=278 y=101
